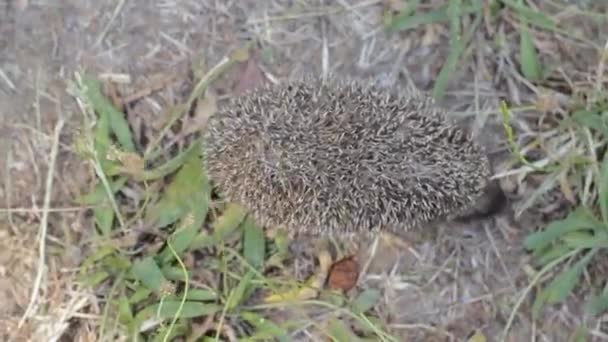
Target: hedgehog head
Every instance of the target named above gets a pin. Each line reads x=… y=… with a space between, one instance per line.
x=342 y=157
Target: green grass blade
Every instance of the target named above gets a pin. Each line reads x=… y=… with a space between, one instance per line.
x=457 y=48
x=239 y=293
x=534 y=17
x=406 y=20
x=168 y=309
x=366 y=300
x=529 y=61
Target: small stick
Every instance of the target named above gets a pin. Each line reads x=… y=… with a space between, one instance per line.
x=44 y=222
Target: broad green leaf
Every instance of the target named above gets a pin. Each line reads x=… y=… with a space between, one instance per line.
x=229 y=222
x=103 y=141
x=201 y=295
x=117 y=262
x=168 y=309
x=187 y=192
x=95 y=278
x=265 y=329
x=99 y=194
x=281 y=244
x=175 y=273
x=339 y=332
x=454 y=9
x=408 y=19
x=191 y=223
x=180 y=240
x=149 y=274
x=238 y=294
x=104 y=219
x=99 y=254
x=543 y=256
x=586 y=239
x=171 y=165
x=254 y=243
x=125 y=315
x=529 y=61
x=561 y=286
x=578 y=219
x=223 y=227
x=588 y=119
x=598 y=305
x=141 y=293
x=104 y=107
x=366 y=300
x=603 y=191
x=179 y=329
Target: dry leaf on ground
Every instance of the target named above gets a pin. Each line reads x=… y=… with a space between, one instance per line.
x=343 y=274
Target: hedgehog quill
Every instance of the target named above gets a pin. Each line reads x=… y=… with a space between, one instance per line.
x=342 y=157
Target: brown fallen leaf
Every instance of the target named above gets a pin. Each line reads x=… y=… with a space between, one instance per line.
x=343 y=274
x=156 y=83
x=250 y=75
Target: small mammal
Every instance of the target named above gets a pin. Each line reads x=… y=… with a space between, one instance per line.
x=344 y=157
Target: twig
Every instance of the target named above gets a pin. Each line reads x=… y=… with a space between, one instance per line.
x=44 y=222
x=319 y=12
x=117 y=10
x=50 y=210
x=155 y=86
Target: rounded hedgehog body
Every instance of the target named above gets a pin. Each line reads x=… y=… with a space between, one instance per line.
x=342 y=157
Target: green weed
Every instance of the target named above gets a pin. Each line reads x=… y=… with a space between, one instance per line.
x=153 y=291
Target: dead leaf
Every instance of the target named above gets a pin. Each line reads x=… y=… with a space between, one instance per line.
x=343 y=274
x=566 y=188
x=205 y=107
x=478 y=336
x=156 y=83
x=250 y=76
x=395 y=5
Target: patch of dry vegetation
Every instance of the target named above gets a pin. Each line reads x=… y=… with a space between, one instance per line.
x=148 y=249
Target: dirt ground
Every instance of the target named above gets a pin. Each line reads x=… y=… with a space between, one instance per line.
x=466 y=278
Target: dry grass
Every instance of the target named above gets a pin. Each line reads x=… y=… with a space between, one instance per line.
x=446 y=283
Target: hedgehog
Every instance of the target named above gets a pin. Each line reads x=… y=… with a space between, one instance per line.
x=341 y=156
